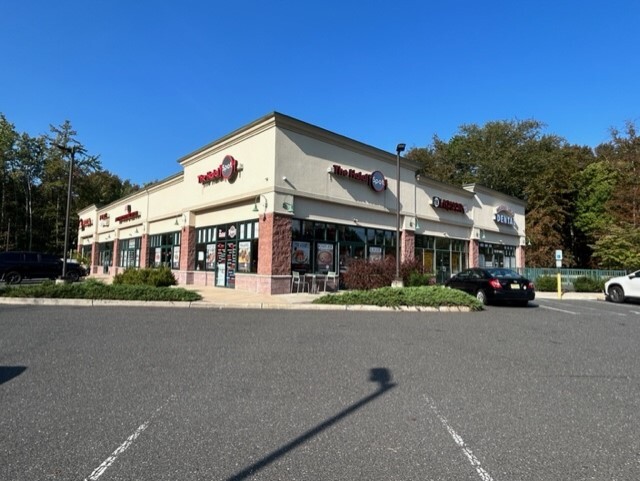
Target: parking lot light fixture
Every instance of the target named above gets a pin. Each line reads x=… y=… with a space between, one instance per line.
x=397 y=282
x=71 y=151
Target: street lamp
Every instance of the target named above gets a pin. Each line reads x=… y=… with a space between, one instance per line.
x=72 y=153
x=397 y=282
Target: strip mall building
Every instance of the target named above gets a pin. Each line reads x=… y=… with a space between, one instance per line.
x=280 y=195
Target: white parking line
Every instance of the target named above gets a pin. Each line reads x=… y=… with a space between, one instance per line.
x=559 y=310
x=99 y=471
x=484 y=475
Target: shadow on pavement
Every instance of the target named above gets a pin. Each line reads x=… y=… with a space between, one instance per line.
x=379 y=375
x=7 y=373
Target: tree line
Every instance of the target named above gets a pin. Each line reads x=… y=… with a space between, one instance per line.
x=583 y=200
x=34 y=179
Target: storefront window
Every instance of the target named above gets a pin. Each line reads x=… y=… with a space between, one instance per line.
x=441 y=256
x=164 y=250
x=129 y=252
x=323 y=247
x=105 y=255
x=227 y=249
x=497 y=255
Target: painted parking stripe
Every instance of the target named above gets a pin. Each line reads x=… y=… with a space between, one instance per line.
x=99 y=471
x=559 y=310
x=475 y=462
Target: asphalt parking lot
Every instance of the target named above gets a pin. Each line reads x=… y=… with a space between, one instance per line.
x=112 y=393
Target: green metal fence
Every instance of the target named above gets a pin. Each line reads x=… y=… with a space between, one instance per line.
x=568 y=276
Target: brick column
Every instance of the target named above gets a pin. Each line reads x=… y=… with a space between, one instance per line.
x=144 y=255
x=274 y=245
x=408 y=245
x=114 y=257
x=188 y=249
x=95 y=258
x=520 y=257
x=474 y=253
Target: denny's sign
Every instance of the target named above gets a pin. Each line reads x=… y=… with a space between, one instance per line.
x=227 y=170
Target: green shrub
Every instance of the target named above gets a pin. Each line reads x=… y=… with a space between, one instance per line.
x=93 y=289
x=546 y=284
x=420 y=279
x=426 y=296
x=151 y=276
x=588 y=284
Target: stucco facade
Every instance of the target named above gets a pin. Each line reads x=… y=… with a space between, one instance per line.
x=280 y=195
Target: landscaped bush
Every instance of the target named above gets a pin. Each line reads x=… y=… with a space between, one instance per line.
x=92 y=289
x=416 y=279
x=425 y=296
x=365 y=274
x=152 y=276
x=546 y=284
x=588 y=284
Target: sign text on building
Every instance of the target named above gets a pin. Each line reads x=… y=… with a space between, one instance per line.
x=375 y=179
x=227 y=170
x=445 y=204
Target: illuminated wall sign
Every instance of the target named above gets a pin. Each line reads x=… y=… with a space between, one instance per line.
x=375 y=179
x=227 y=170
x=85 y=223
x=104 y=220
x=504 y=215
x=445 y=204
x=128 y=215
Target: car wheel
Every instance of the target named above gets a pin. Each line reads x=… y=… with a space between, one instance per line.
x=482 y=297
x=73 y=276
x=13 y=277
x=616 y=294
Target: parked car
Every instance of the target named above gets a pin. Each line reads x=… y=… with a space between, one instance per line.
x=18 y=265
x=494 y=284
x=620 y=289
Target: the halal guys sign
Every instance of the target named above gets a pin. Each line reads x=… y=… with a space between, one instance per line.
x=227 y=170
x=375 y=180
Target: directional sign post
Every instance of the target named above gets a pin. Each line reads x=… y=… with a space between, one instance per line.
x=559 y=265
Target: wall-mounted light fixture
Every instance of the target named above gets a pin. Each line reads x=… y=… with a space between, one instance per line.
x=355 y=220
x=417 y=224
x=256 y=201
x=287 y=203
x=288 y=207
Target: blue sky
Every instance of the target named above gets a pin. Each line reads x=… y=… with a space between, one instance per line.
x=147 y=82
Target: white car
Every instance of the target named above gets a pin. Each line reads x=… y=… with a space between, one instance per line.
x=619 y=289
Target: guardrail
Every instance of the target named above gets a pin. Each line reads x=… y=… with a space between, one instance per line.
x=570 y=275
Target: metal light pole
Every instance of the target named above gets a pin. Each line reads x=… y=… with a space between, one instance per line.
x=72 y=152
x=398 y=280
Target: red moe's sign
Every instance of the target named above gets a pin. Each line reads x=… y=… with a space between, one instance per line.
x=227 y=170
x=375 y=180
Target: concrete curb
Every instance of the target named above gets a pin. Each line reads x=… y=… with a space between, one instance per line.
x=238 y=305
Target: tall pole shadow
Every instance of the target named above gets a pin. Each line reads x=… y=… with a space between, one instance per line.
x=379 y=375
x=9 y=372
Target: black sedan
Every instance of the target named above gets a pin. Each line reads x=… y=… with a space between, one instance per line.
x=494 y=284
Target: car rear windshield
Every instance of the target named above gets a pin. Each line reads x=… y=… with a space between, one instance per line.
x=504 y=273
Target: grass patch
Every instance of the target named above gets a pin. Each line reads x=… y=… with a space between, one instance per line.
x=93 y=289
x=426 y=296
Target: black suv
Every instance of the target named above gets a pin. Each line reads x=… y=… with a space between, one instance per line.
x=18 y=265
